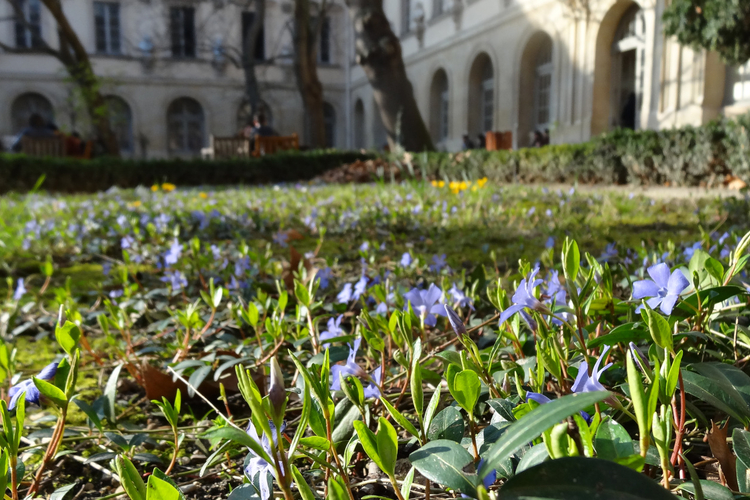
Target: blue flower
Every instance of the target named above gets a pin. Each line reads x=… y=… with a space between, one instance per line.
x=609 y=253
x=351 y=368
x=127 y=242
x=455 y=321
x=345 y=295
x=524 y=297
x=359 y=288
x=364 y=246
x=334 y=330
x=664 y=290
x=373 y=390
x=324 y=276
x=176 y=280
x=425 y=303
x=406 y=259
x=590 y=383
x=550 y=242
x=27 y=386
x=281 y=238
x=257 y=465
x=438 y=263
x=20 y=290
x=459 y=298
x=173 y=254
x=690 y=251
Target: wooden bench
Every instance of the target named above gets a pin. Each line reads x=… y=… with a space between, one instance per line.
x=43 y=146
x=271 y=145
x=499 y=140
x=224 y=148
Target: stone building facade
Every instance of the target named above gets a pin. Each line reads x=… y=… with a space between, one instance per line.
x=576 y=68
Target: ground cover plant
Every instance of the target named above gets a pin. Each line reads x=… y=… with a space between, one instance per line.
x=374 y=341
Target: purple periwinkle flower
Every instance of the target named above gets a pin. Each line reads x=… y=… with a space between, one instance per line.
x=664 y=290
x=609 y=253
x=406 y=259
x=27 y=386
x=590 y=383
x=175 y=279
x=324 y=277
x=257 y=465
x=20 y=290
x=173 y=254
x=524 y=297
x=438 y=263
x=426 y=303
x=281 y=238
x=455 y=321
x=373 y=390
x=345 y=295
x=351 y=368
x=459 y=299
x=690 y=251
x=364 y=247
x=334 y=330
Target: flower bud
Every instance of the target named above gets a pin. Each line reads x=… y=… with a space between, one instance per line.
x=455 y=321
x=276 y=391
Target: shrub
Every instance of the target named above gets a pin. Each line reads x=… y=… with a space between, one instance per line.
x=20 y=172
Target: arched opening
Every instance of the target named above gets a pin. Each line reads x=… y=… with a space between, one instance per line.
x=481 y=96
x=121 y=122
x=28 y=104
x=536 y=92
x=619 y=69
x=245 y=114
x=329 y=122
x=185 y=126
x=359 y=124
x=439 y=107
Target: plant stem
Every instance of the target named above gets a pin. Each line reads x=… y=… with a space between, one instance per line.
x=52 y=447
x=174 y=454
x=342 y=472
x=396 y=488
x=14 y=476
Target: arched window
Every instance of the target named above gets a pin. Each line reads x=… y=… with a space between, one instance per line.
x=185 y=126
x=543 y=86
x=536 y=90
x=628 y=57
x=121 y=121
x=28 y=104
x=359 y=124
x=481 y=96
x=329 y=122
x=439 y=105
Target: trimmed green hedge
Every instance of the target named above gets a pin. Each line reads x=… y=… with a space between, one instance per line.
x=20 y=172
x=687 y=156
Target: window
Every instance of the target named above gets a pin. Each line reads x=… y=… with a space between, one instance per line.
x=324 y=53
x=29 y=33
x=28 y=104
x=359 y=124
x=437 y=8
x=543 y=86
x=107 y=26
x=185 y=126
x=121 y=121
x=260 y=43
x=182 y=28
x=738 y=79
x=405 y=16
x=329 y=122
x=444 y=103
x=487 y=96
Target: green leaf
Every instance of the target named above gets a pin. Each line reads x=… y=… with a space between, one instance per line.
x=571 y=259
x=534 y=456
x=582 y=478
x=715 y=269
x=417 y=395
x=612 y=441
x=400 y=418
x=465 y=390
x=448 y=424
x=67 y=336
x=431 y=409
x=387 y=445
x=741 y=442
x=534 y=423
x=406 y=485
x=317 y=442
x=369 y=443
x=719 y=393
x=711 y=490
x=90 y=413
x=130 y=479
x=110 y=392
x=62 y=492
x=629 y=332
x=51 y=392
x=239 y=437
x=160 y=475
x=658 y=327
x=443 y=461
x=158 y=489
x=304 y=489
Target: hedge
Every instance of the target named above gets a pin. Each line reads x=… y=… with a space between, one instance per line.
x=687 y=156
x=20 y=173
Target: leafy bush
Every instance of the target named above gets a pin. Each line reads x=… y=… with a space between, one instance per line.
x=20 y=172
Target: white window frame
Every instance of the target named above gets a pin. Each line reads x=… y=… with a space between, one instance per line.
x=112 y=41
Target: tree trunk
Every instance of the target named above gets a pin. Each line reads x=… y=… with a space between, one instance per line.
x=379 y=54
x=74 y=57
x=306 y=72
x=252 y=90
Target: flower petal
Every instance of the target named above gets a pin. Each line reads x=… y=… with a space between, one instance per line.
x=645 y=288
x=660 y=274
x=432 y=295
x=677 y=283
x=668 y=304
x=48 y=372
x=582 y=378
x=539 y=398
x=510 y=312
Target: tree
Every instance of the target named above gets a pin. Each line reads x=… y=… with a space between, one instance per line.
x=378 y=51
x=305 y=33
x=249 y=41
x=73 y=56
x=719 y=25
